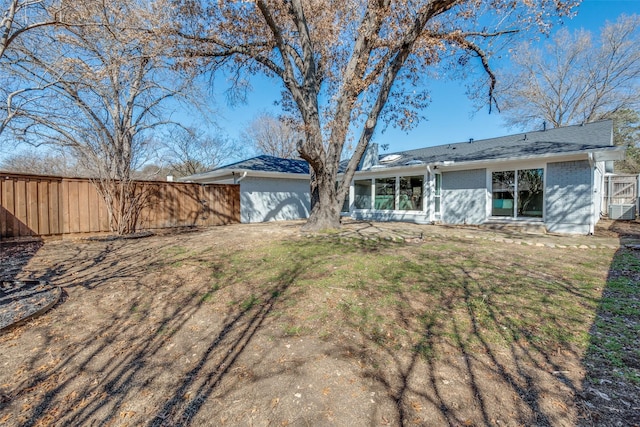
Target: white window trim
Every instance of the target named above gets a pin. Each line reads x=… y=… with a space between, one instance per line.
x=426 y=207
x=515 y=167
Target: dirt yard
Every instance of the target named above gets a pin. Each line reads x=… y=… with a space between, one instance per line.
x=263 y=325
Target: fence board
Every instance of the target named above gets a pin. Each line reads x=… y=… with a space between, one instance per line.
x=55 y=218
x=44 y=206
x=11 y=222
x=3 y=211
x=20 y=205
x=32 y=204
x=74 y=210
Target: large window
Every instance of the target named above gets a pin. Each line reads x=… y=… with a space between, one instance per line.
x=530 y=186
x=517 y=193
x=503 y=191
x=385 y=194
x=410 y=193
x=362 y=193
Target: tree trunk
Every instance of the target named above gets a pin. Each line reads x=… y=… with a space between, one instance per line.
x=325 y=210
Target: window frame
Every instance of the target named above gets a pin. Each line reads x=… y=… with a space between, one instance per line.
x=395 y=178
x=516 y=169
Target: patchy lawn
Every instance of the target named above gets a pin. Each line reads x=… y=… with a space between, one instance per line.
x=259 y=325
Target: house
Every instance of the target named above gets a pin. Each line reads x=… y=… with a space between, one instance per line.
x=551 y=177
x=271 y=188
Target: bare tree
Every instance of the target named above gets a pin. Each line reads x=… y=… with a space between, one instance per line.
x=43 y=162
x=274 y=136
x=21 y=16
x=574 y=79
x=347 y=64
x=105 y=82
x=19 y=19
x=189 y=151
x=626 y=132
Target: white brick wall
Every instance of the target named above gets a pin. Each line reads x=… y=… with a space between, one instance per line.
x=464 y=196
x=568 y=197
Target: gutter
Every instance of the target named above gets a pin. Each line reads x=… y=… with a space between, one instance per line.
x=220 y=174
x=590 y=153
x=237 y=180
x=592 y=224
x=616 y=153
x=384 y=170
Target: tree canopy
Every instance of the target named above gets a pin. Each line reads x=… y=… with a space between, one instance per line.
x=273 y=135
x=95 y=87
x=574 y=78
x=344 y=65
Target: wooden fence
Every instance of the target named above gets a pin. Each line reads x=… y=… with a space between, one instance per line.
x=50 y=206
x=620 y=189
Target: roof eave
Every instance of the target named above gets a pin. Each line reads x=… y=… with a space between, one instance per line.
x=382 y=169
x=281 y=175
x=227 y=173
x=600 y=154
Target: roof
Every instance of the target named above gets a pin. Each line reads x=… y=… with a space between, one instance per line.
x=569 y=140
x=558 y=141
x=262 y=164
x=266 y=163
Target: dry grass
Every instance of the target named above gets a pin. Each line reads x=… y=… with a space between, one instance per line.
x=218 y=328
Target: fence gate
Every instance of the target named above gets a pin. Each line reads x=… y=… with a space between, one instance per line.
x=621 y=196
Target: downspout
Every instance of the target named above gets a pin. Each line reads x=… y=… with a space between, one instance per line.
x=432 y=216
x=237 y=180
x=592 y=221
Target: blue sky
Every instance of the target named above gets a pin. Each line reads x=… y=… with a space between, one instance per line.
x=450 y=116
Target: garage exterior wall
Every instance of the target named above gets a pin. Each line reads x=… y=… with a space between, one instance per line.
x=273 y=199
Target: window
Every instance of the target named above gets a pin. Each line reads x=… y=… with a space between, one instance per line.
x=517 y=193
x=502 y=187
x=385 y=194
x=362 y=194
x=410 y=193
x=437 y=193
x=345 y=203
x=530 y=190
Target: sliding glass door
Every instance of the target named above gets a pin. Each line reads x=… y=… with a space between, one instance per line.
x=517 y=193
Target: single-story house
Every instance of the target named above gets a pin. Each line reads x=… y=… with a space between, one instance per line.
x=552 y=177
x=271 y=188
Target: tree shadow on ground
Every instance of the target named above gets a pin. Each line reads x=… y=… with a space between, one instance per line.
x=477 y=357
x=15 y=255
x=441 y=332
x=116 y=357
x=610 y=391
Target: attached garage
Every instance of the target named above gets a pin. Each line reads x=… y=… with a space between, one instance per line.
x=271 y=188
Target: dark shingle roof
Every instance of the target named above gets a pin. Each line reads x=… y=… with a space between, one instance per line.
x=266 y=163
x=562 y=140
